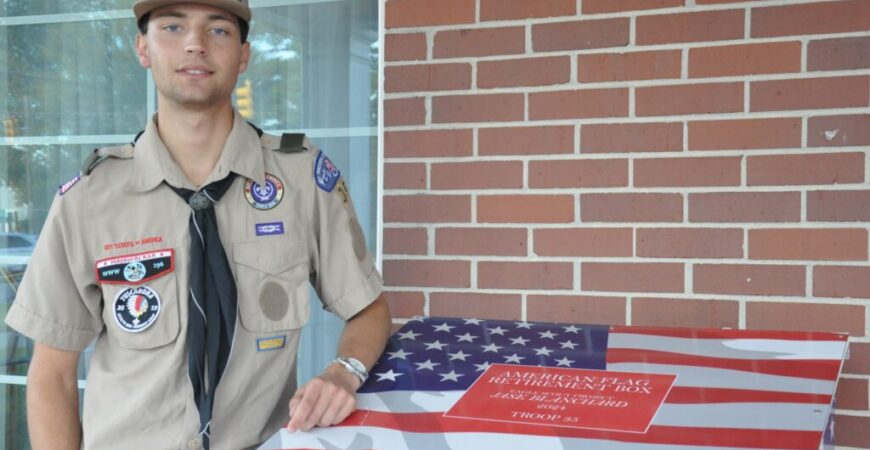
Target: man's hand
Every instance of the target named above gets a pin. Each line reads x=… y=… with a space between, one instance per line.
x=326 y=400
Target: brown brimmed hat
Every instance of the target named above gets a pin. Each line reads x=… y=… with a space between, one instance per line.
x=238 y=7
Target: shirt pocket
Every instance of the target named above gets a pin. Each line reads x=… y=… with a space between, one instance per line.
x=272 y=278
x=142 y=316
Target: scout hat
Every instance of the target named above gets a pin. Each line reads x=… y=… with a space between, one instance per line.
x=237 y=7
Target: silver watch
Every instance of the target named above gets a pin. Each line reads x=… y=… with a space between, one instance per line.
x=355 y=367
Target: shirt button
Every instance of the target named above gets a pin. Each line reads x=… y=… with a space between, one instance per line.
x=193 y=443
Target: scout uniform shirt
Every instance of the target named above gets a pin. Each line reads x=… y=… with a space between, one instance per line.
x=111 y=264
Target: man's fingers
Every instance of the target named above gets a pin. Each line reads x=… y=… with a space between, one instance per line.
x=338 y=403
x=301 y=411
x=346 y=410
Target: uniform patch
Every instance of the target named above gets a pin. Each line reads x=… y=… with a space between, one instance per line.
x=326 y=175
x=264 y=197
x=69 y=184
x=343 y=192
x=271 y=343
x=137 y=268
x=136 y=308
x=266 y=229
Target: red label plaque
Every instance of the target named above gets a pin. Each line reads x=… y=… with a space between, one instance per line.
x=577 y=398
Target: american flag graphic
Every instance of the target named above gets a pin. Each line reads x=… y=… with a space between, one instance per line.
x=735 y=389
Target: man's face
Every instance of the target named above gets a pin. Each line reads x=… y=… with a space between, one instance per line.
x=195 y=54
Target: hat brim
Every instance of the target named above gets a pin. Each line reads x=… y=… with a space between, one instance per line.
x=236 y=7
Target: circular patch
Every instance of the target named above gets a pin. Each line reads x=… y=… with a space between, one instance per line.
x=136 y=308
x=134 y=271
x=264 y=197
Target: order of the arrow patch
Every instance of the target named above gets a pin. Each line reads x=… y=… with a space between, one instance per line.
x=137 y=268
x=136 y=308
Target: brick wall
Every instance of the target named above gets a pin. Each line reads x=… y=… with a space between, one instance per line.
x=648 y=162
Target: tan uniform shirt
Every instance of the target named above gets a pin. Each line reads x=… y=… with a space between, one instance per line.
x=122 y=228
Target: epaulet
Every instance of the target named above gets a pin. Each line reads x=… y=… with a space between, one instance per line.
x=292 y=143
x=101 y=154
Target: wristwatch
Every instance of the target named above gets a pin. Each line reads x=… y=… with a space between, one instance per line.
x=354 y=366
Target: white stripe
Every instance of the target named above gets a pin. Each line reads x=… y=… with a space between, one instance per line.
x=204 y=192
x=196 y=302
x=730 y=348
x=196 y=225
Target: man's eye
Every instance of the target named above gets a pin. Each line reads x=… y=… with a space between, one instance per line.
x=171 y=28
x=220 y=31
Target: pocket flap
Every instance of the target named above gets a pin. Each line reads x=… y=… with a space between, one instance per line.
x=271 y=256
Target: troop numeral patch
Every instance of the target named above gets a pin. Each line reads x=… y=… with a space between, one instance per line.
x=136 y=308
x=135 y=269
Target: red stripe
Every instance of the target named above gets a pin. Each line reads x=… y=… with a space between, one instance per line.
x=683 y=394
x=819 y=369
x=723 y=437
x=716 y=333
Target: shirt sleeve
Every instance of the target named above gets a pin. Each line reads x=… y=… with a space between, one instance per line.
x=58 y=303
x=345 y=275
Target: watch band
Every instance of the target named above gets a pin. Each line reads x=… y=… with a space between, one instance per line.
x=355 y=367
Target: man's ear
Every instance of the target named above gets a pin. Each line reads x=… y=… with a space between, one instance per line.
x=245 y=57
x=142 y=51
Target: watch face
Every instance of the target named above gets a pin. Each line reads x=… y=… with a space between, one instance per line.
x=357 y=365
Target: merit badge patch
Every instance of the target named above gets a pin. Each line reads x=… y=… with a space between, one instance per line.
x=137 y=268
x=69 y=184
x=264 y=197
x=266 y=229
x=136 y=308
x=326 y=175
x=271 y=343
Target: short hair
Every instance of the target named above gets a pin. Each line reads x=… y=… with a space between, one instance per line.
x=243 y=26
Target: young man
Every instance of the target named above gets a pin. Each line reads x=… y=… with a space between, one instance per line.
x=187 y=256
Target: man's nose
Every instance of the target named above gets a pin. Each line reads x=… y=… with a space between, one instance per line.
x=195 y=43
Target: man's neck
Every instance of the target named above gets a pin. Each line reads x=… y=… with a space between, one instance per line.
x=195 y=138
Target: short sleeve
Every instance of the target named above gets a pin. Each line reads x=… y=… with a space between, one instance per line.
x=58 y=303
x=345 y=275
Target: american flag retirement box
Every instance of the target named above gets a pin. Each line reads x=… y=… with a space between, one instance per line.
x=485 y=384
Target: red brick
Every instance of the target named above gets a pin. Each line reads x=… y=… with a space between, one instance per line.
x=632 y=277
x=745 y=59
x=427 y=143
x=405 y=304
x=404 y=111
x=427 y=77
x=427 y=273
x=479 y=42
x=810 y=93
x=805 y=317
x=858 y=362
x=852 y=394
x=579 y=173
x=526 y=140
x=713 y=2
x=601 y=67
x=689 y=99
x=585 y=103
x=525 y=208
x=611 y=6
x=404 y=46
x=745 y=134
x=405 y=176
x=839 y=131
x=837 y=244
x=749 y=207
x=811 y=18
x=841 y=281
x=852 y=431
x=580 y=35
x=478 y=108
x=407 y=13
x=631 y=207
x=631 y=137
x=690 y=27
x=589 y=242
x=542 y=71
x=525 y=275
x=524 y=9
x=686 y=172
x=427 y=208
x=481 y=241
x=839 y=54
x=576 y=309
x=405 y=241
x=481 y=306
x=749 y=279
x=838 y=206
x=478 y=175
x=690 y=242
x=824 y=168
x=672 y=312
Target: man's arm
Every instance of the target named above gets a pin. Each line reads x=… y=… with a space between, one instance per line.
x=53 y=399
x=331 y=396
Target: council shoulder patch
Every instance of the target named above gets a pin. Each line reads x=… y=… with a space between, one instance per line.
x=326 y=175
x=136 y=308
x=137 y=268
x=264 y=197
x=64 y=188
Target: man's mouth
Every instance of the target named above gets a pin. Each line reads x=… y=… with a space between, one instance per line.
x=196 y=71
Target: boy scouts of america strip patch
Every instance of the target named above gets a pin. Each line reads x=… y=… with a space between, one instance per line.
x=137 y=268
x=69 y=184
x=325 y=173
